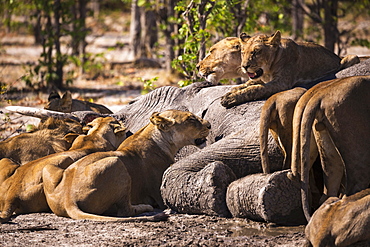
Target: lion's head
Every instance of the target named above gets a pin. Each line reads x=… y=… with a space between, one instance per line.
x=184 y=128
x=108 y=129
x=222 y=62
x=257 y=53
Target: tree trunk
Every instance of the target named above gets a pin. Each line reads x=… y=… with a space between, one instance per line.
x=297 y=20
x=58 y=81
x=330 y=24
x=164 y=14
x=37 y=28
x=135 y=28
x=149 y=34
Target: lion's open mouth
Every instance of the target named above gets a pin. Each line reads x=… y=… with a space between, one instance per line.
x=200 y=141
x=256 y=74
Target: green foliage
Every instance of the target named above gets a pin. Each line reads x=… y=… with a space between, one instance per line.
x=361 y=42
x=148 y=84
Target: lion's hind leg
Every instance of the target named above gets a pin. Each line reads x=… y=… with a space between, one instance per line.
x=98 y=188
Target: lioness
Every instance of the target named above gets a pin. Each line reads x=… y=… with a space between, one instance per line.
x=277 y=116
x=67 y=104
x=338 y=113
x=341 y=222
x=110 y=182
x=47 y=139
x=21 y=187
x=274 y=64
x=222 y=62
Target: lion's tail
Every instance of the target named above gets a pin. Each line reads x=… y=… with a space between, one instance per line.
x=76 y=213
x=297 y=116
x=266 y=120
x=308 y=117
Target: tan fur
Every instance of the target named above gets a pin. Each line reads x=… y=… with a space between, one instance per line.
x=274 y=64
x=277 y=116
x=125 y=182
x=47 y=139
x=222 y=62
x=21 y=187
x=341 y=222
x=337 y=112
x=67 y=104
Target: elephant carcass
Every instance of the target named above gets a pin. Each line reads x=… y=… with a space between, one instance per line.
x=266 y=197
x=197 y=184
x=232 y=145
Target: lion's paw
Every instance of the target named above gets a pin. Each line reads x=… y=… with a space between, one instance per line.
x=229 y=100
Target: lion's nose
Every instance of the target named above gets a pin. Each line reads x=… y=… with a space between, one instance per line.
x=198 y=66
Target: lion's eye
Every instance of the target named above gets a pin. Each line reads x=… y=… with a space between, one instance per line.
x=192 y=119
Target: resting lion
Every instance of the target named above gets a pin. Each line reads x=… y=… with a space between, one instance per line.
x=47 y=139
x=222 y=62
x=125 y=182
x=274 y=64
x=21 y=187
x=337 y=112
x=341 y=222
x=67 y=104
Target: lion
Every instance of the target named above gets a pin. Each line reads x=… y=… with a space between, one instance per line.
x=337 y=112
x=341 y=222
x=277 y=116
x=274 y=64
x=67 y=104
x=47 y=139
x=125 y=182
x=21 y=187
x=222 y=62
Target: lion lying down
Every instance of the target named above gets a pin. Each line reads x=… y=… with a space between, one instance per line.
x=110 y=182
x=67 y=104
x=274 y=64
x=341 y=222
x=21 y=187
x=47 y=139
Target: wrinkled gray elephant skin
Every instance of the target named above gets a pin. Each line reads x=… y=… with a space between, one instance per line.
x=266 y=197
x=188 y=186
x=197 y=182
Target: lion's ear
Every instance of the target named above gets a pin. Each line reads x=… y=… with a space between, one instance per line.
x=70 y=137
x=162 y=123
x=67 y=100
x=275 y=38
x=244 y=37
x=119 y=128
x=53 y=95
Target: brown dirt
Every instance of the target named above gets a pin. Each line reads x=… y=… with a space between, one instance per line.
x=46 y=229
